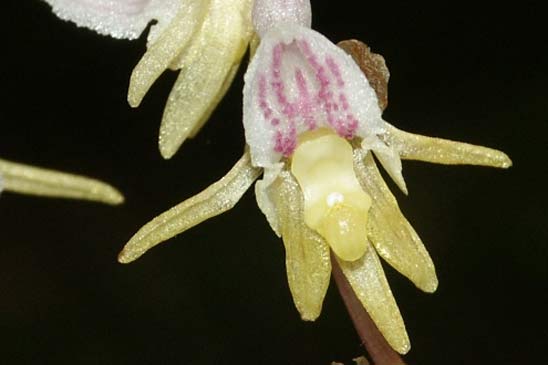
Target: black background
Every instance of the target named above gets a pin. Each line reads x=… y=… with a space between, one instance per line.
x=218 y=294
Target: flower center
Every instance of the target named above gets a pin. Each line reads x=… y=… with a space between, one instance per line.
x=334 y=203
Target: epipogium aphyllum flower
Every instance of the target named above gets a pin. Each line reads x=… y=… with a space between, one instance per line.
x=313 y=123
x=205 y=39
x=25 y=179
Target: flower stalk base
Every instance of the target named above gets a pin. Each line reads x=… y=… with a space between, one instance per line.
x=378 y=348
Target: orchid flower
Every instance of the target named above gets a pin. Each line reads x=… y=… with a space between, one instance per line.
x=313 y=126
x=32 y=180
x=205 y=39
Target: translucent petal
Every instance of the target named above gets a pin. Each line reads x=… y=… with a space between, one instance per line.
x=307 y=254
x=166 y=48
x=443 y=151
x=367 y=278
x=216 y=199
x=391 y=234
x=31 y=180
x=117 y=18
x=207 y=67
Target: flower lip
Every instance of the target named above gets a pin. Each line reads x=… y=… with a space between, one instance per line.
x=297 y=82
x=335 y=205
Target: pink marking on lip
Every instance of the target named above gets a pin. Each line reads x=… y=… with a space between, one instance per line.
x=327 y=101
x=344 y=101
x=310 y=122
x=304 y=102
x=285 y=144
x=291 y=140
x=263 y=103
x=353 y=123
x=301 y=84
x=278 y=142
x=305 y=49
x=343 y=126
x=277 y=59
x=335 y=70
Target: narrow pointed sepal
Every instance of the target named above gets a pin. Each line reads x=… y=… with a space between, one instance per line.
x=166 y=49
x=32 y=180
x=207 y=66
x=368 y=281
x=393 y=237
x=436 y=150
x=216 y=199
x=308 y=262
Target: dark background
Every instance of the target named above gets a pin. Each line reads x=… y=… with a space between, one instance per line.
x=218 y=294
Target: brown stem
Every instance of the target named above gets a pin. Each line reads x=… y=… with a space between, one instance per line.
x=379 y=350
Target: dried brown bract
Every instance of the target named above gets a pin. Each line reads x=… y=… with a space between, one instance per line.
x=372 y=65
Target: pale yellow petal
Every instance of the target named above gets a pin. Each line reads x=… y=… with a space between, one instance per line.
x=307 y=254
x=166 y=48
x=216 y=199
x=368 y=281
x=31 y=180
x=416 y=147
x=215 y=100
x=391 y=234
x=207 y=68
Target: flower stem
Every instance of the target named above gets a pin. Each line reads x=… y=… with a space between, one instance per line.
x=379 y=350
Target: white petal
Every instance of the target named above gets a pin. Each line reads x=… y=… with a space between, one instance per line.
x=299 y=81
x=268 y=14
x=117 y=18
